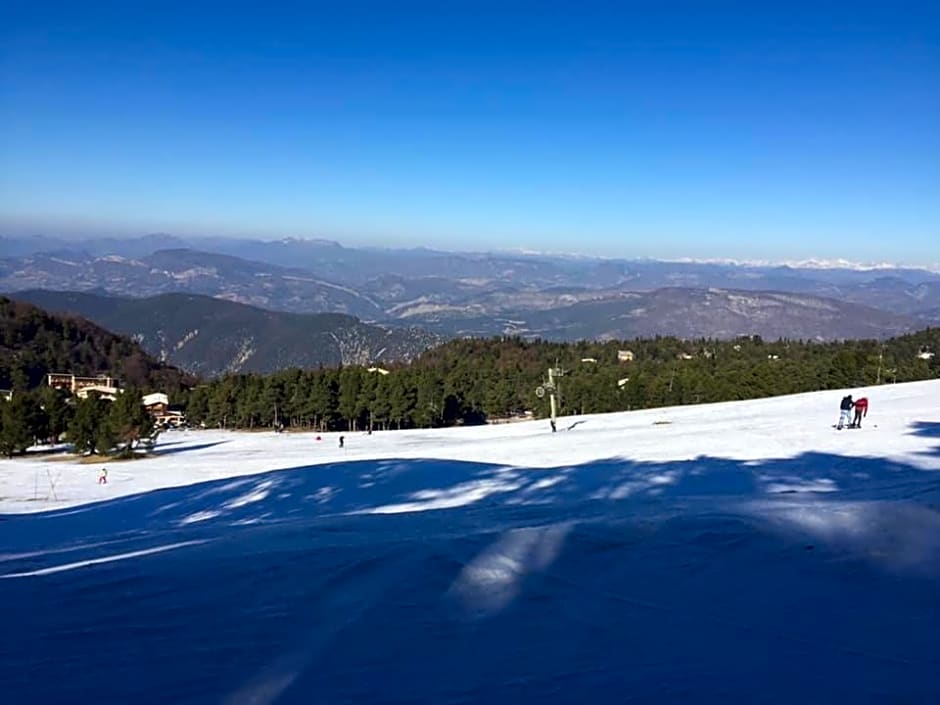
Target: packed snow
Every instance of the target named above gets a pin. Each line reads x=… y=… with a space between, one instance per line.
x=736 y=552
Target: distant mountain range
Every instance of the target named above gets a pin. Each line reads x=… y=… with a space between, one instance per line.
x=189 y=271
x=454 y=294
x=368 y=267
x=210 y=336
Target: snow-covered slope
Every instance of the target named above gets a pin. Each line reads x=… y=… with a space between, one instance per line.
x=742 y=552
x=775 y=428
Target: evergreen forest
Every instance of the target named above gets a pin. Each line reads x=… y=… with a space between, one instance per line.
x=472 y=381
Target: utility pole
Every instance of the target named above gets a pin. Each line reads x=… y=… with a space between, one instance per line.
x=551 y=392
x=553 y=388
x=881 y=354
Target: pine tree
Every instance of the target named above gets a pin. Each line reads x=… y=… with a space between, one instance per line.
x=350 y=381
x=366 y=401
x=89 y=430
x=197 y=404
x=429 y=403
x=318 y=404
x=128 y=422
x=401 y=401
x=15 y=435
x=58 y=412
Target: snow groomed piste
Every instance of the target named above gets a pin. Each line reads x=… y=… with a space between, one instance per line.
x=740 y=552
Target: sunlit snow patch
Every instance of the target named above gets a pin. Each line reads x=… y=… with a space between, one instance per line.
x=492 y=580
x=457 y=496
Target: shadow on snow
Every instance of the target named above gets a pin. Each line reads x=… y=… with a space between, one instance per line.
x=163 y=450
x=930 y=429
x=812 y=577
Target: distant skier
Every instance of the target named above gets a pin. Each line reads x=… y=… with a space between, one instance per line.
x=846 y=412
x=861 y=409
x=103 y=476
x=342 y=440
x=552 y=422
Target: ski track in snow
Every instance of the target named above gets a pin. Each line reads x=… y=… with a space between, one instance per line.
x=104 y=559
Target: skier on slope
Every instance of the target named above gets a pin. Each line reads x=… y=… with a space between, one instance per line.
x=845 y=415
x=861 y=409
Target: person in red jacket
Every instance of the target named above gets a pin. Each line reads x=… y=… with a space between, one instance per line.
x=861 y=409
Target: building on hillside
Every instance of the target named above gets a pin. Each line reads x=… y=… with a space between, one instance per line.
x=74 y=383
x=156 y=403
x=588 y=359
x=6 y=394
x=625 y=356
x=683 y=356
x=173 y=417
x=925 y=354
x=102 y=390
x=158 y=406
x=380 y=370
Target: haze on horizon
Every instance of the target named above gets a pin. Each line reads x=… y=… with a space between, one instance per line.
x=631 y=129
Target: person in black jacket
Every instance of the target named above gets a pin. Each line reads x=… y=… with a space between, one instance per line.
x=845 y=408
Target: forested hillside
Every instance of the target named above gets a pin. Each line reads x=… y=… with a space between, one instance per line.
x=33 y=343
x=209 y=336
x=471 y=380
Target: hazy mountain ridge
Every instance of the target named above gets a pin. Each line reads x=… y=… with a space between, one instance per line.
x=474 y=293
x=188 y=271
x=358 y=266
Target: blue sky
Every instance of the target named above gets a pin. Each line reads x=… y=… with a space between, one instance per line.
x=699 y=129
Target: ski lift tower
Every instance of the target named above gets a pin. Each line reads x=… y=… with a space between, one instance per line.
x=553 y=388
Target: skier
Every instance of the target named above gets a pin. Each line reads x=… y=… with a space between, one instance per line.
x=861 y=409
x=103 y=476
x=341 y=440
x=553 y=425
x=846 y=411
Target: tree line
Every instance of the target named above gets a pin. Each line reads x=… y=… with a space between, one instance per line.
x=91 y=425
x=471 y=381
